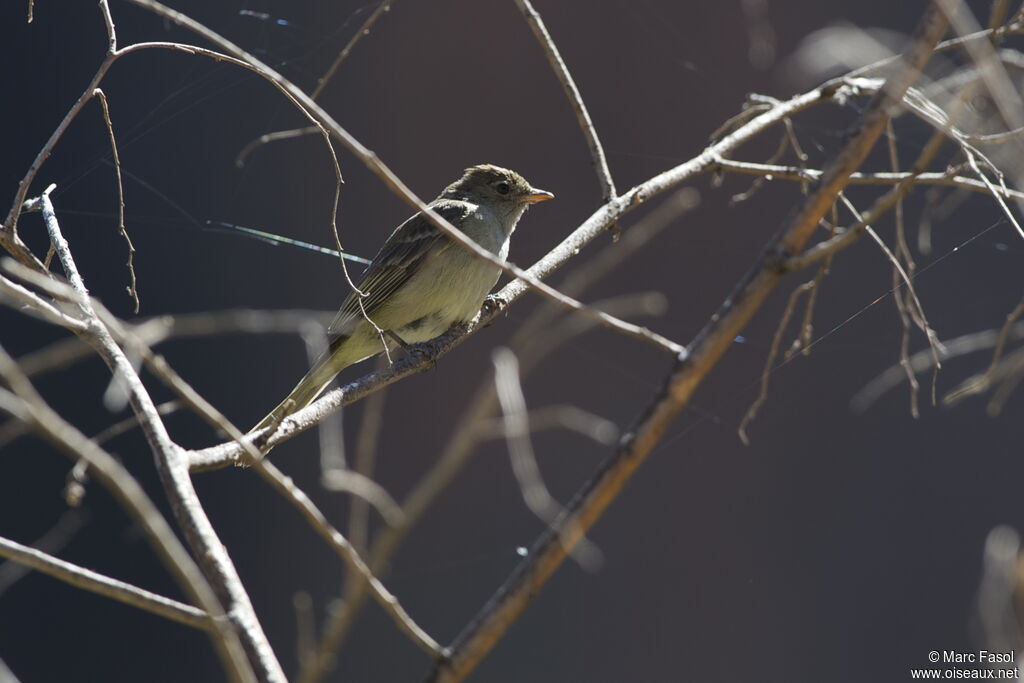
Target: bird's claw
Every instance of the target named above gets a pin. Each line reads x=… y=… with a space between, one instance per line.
x=423 y=352
x=495 y=304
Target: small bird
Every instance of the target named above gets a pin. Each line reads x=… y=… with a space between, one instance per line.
x=421 y=282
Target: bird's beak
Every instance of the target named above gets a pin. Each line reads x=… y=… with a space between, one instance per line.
x=535 y=195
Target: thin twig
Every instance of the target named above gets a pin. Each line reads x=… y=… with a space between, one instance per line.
x=78 y=476
x=861 y=178
x=760 y=180
x=769 y=361
x=1011 y=371
x=305 y=626
x=922 y=360
x=365 y=460
x=51 y=542
x=243 y=155
x=980 y=383
x=567 y=416
x=916 y=310
x=159 y=329
x=340 y=545
x=321 y=83
x=86 y=579
x=826 y=249
x=24 y=300
x=982 y=52
x=540 y=31
x=133 y=291
x=901 y=298
x=802 y=342
x=996 y=194
x=524 y=461
x=11 y=222
x=363 y=31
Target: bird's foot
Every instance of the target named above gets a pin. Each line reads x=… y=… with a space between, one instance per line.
x=422 y=352
x=494 y=304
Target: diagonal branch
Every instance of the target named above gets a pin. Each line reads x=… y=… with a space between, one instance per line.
x=287 y=488
x=52 y=427
x=710 y=344
x=596 y=225
x=604 y=176
x=172 y=466
x=80 y=577
x=860 y=178
x=373 y=163
x=361 y=32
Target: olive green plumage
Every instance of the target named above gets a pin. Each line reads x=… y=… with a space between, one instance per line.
x=421 y=282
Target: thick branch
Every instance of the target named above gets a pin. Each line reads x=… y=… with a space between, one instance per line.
x=172 y=466
x=52 y=427
x=707 y=348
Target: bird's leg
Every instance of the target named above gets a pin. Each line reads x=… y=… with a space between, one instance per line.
x=419 y=350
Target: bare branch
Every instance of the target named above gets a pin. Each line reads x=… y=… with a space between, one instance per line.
x=366 y=456
x=917 y=310
x=8 y=234
x=365 y=489
x=321 y=83
x=980 y=383
x=127 y=491
x=132 y=283
x=796 y=173
x=173 y=469
x=900 y=297
x=53 y=541
x=769 y=361
x=566 y=416
x=24 y=300
x=158 y=329
x=340 y=545
x=524 y=461
x=89 y=580
x=922 y=360
x=267 y=138
x=364 y=30
x=540 y=31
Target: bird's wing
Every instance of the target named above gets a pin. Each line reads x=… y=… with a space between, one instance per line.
x=411 y=245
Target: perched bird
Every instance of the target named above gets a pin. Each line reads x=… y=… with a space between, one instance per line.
x=421 y=282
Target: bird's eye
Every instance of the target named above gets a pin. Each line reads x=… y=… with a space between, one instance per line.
x=502 y=188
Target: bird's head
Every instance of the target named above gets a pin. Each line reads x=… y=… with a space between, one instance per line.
x=495 y=185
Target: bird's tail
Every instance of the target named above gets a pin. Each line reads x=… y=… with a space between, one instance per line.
x=310 y=386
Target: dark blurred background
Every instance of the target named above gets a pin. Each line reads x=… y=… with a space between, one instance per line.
x=837 y=546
